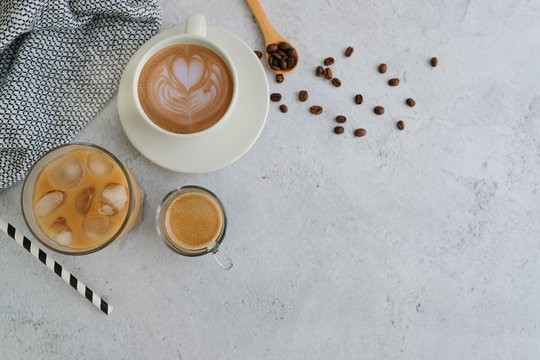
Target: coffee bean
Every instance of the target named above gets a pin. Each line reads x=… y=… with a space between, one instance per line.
x=328 y=61
x=328 y=73
x=277 y=55
x=400 y=125
x=349 y=51
x=283 y=108
x=258 y=53
x=276 y=62
x=275 y=97
x=274 y=67
x=336 y=82
x=434 y=61
x=358 y=98
x=339 y=130
x=292 y=52
x=379 y=110
x=319 y=71
x=303 y=95
x=279 y=78
x=341 y=119
x=382 y=68
x=291 y=62
x=410 y=102
x=393 y=82
x=283 y=64
x=316 y=109
x=360 y=132
x=284 y=46
x=282 y=53
x=272 y=48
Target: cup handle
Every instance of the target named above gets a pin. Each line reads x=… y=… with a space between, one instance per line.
x=196 y=25
x=223 y=260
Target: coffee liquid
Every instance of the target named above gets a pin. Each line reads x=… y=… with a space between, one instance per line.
x=185 y=88
x=193 y=220
x=81 y=199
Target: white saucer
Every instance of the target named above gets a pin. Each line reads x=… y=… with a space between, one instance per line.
x=218 y=148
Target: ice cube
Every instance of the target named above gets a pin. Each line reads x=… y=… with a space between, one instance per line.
x=114 y=199
x=95 y=226
x=60 y=232
x=67 y=172
x=49 y=203
x=83 y=200
x=99 y=164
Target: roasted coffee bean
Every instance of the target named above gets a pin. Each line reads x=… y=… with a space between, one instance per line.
x=258 y=53
x=382 y=68
x=379 y=110
x=360 y=132
x=400 y=125
x=410 y=102
x=291 y=62
x=358 y=98
x=284 y=46
x=328 y=73
x=275 y=97
x=292 y=52
x=393 y=82
x=283 y=108
x=319 y=71
x=339 y=130
x=282 y=53
x=336 y=82
x=341 y=119
x=434 y=61
x=349 y=51
x=279 y=78
x=328 y=61
x=316 y=109
x=272 y=48
x=277 y=55
x=274 y=67
x=276 y=62
x=283 y=64
x=303 y=95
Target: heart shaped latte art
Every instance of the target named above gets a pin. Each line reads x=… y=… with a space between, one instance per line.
x=187 y=88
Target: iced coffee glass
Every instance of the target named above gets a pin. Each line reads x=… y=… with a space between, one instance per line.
x=78 y=198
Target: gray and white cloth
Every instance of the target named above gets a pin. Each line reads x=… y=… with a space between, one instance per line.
x=60 y=62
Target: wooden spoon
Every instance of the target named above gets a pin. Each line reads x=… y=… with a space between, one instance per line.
x=271 y=36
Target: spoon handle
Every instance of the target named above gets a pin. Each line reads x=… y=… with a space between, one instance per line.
x=265 y=25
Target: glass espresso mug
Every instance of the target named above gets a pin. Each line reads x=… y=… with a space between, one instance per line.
x=192 y=222
x=186 y=84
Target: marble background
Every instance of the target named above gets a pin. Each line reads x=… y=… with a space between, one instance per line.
x=420 y=244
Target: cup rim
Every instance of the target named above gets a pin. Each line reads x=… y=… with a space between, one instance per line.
x=159 y=46
x=201 y=251
x=124 y=222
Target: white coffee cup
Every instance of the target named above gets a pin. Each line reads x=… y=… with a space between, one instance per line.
x=194 y=33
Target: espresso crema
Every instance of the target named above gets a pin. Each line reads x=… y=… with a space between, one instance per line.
x=185 y=88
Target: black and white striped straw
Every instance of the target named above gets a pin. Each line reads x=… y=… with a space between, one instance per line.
x=55 y=267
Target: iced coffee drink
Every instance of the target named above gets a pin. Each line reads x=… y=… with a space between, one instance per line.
x=81 y=199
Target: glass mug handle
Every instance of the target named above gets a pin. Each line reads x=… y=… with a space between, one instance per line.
x=223 y=260
x=196 y=25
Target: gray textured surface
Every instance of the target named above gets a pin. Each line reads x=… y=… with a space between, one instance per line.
x=419 y=244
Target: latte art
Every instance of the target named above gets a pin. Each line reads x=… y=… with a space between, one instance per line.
x=185 y=88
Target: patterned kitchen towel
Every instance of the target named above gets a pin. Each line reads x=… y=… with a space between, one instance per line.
x=60 y=62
